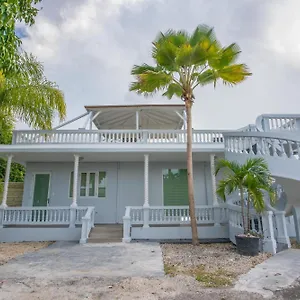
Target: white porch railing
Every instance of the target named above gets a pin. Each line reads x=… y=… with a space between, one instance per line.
x=87 y=224
x=278 y=122
x=266 y=144
x=171 y=215
x=40 y=216
x=114 y=136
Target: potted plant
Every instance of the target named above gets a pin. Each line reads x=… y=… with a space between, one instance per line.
x=254 y=180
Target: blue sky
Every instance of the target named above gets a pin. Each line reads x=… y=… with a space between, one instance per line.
x=89 y=46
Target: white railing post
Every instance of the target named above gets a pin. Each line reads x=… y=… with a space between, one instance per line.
x=72 y=217
x=269 y=242
x=126 y=226
x=217 y=216
x=75 y=180
x=84 y=230
x=282 y=235
x=146 y=207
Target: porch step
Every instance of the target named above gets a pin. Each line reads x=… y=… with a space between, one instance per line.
x=106 y=234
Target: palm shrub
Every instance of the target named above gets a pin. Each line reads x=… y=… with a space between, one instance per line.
x=182 y=63
x=253 y=177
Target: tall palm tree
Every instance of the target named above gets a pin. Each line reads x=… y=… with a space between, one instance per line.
x=26 y=95
x=253 y=178
x=182 y=63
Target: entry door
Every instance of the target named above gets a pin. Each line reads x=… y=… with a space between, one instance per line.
x=41 y=189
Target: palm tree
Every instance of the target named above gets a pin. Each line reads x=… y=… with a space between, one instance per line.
x=182 y=63
x=253 y=178
x=26 y=95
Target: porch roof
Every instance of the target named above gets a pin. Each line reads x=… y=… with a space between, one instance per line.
x=150 y=116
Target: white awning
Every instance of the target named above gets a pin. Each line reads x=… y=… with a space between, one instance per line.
x=151 y=116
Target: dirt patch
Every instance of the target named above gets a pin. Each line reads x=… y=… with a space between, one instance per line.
x=295 y=244
x=214 y=265
x=9 y=251
x=167 y=288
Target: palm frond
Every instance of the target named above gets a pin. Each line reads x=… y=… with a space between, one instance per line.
x=173 y=89
x=29 y=96
x=234 y=74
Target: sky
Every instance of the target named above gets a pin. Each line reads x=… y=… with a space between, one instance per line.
x=88 y=48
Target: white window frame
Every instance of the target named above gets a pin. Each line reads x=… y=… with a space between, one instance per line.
x=87 y=184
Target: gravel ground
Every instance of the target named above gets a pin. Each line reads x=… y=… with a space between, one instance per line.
x=219 y=263
x=11 y=250
x=183 y=260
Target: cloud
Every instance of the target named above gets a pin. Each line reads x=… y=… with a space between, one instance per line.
x=89 y=46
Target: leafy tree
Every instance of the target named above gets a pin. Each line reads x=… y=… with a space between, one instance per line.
x=182 y=63
x=12 y=12
x=253 y=178
x=28 y=96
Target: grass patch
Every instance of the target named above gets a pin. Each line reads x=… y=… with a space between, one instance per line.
x=215 y=279
x=170 y=270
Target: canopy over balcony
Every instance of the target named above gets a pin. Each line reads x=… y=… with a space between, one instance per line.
x=145 y=116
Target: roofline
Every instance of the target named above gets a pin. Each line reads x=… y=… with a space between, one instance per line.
x=88 y=107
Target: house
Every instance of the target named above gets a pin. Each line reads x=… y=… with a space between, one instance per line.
x=127 y=165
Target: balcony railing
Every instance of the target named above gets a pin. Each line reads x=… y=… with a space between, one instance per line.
x=115 y=137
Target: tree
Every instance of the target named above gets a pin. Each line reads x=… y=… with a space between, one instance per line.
x=12 y=12
x=252 y=178
x=28 y=96
x=182 y=63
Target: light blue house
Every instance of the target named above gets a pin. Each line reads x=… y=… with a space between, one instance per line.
x=127 y=165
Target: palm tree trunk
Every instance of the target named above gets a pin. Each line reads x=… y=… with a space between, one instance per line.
x=242 y=208
x=188 y=107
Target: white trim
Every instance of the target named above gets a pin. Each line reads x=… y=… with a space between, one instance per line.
x=96 y=184
x=33 y=185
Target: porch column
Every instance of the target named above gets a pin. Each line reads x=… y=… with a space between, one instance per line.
x=6 y=181
x=146 y=207
x=75 y=184
x=137 y=120
x=213 y=180
x=75 y=180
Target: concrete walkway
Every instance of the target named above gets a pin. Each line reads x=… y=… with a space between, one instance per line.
x=70 y=260
x=276 y=273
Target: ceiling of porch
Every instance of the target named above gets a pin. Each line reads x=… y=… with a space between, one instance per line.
x=150 y=116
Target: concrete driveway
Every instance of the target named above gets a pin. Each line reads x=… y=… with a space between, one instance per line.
x=70 y=260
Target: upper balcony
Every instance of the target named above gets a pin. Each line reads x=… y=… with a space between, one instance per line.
x=110 y=126
x=29 y=137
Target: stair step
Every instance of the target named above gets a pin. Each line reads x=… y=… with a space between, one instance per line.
x=104 y=240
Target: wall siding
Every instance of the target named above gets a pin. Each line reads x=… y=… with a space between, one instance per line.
x=125 y=185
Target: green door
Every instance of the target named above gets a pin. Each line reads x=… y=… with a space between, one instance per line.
x=41 y=189
x=175 y=188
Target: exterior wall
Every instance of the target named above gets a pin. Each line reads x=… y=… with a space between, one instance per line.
x=125 y=185
x=15 y=193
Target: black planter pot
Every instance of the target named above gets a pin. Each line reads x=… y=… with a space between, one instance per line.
x=247 y=245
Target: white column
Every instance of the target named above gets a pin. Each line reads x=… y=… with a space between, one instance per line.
x=213 y=180
x=6 y=181
x=75 y=180
x=137 y=120
x=146 y=207
x=75 y=184
x=282 y=235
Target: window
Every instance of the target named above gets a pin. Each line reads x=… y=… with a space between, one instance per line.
x=175 y=188
x=91 y=184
